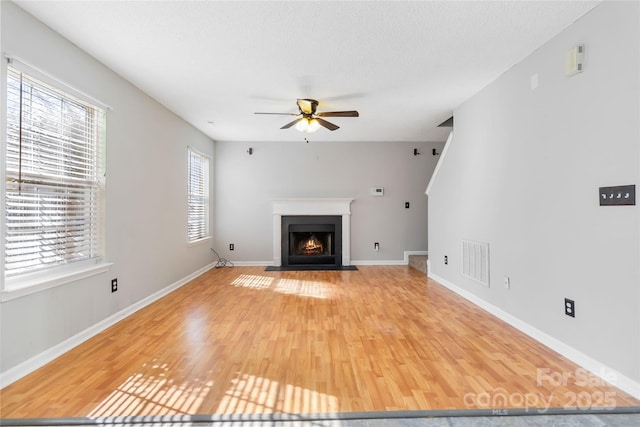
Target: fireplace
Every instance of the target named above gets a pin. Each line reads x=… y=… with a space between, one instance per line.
x=311 y=240
x=310 y=214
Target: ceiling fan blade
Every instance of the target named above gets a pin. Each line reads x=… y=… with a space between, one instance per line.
x=280 y=114
x=288 y=125
x=339 y=114
x=327 y=124
x=307 y=106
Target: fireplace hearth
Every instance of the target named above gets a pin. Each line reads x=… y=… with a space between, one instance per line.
x=321 y=233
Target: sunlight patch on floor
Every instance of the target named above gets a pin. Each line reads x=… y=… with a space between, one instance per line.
x=249 y=394
x=153 y=394
x=303 y=288
x=253 y=281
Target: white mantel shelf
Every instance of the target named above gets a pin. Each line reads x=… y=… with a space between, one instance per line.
x=306 y=206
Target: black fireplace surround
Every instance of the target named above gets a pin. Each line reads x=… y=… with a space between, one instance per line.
x=312 y=240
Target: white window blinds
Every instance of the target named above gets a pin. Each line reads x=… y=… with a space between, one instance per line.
x=53 y=166
x=198 y=200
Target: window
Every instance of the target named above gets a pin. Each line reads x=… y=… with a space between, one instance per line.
x=198 y=199
x=53 y=194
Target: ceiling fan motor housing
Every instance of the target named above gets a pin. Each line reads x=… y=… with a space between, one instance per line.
x=307 y=106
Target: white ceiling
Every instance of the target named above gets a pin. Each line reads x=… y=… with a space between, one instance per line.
x=403 y=65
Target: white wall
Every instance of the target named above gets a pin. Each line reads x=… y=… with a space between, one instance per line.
x=145 y=199
x=522 y=173
x=246 y=184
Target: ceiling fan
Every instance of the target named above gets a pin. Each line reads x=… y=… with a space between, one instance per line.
x=310 y=120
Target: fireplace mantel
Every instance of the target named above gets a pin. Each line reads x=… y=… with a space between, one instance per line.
x=325 y=206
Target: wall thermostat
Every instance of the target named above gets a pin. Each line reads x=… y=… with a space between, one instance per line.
x=377 y=191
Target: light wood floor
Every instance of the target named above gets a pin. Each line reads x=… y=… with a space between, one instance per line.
x=241 y=340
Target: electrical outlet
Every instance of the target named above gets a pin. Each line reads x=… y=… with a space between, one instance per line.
x=376 y=246
x=406 y=205
x=114 y=285
x=569 y=307
x=446 y=260
x=231 y=246
x=507 y=282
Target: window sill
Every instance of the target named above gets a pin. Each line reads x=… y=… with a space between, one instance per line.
x=28 y=287
x=199 y=241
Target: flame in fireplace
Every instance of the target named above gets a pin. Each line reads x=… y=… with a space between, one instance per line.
x=311 y=246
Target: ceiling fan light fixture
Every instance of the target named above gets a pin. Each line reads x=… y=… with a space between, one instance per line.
x=308 y=125
x=314 y=125
x=302 y=125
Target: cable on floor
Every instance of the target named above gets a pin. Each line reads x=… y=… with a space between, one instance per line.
x=222 y=262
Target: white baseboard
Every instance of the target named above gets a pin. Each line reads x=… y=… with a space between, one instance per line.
x=378 y=262
x=252 y=263
x=404 y=261
x=622 y=382
x=12 y=375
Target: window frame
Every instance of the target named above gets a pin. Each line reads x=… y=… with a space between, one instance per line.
x=204 y=186
x=60 y=273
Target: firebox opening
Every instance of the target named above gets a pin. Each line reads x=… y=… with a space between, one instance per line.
x=310 y=243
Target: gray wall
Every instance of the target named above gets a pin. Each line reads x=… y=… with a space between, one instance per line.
x=522 y=174
x=145 y=198
x=246 y=184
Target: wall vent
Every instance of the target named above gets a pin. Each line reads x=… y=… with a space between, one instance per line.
x=475 y=261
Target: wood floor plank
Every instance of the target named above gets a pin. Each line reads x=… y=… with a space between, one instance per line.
x=242 y=340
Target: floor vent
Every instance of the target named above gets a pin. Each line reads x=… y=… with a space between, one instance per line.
x=475 y=261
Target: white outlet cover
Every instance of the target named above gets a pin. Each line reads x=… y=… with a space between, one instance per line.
x=535 y=81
